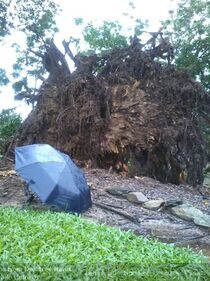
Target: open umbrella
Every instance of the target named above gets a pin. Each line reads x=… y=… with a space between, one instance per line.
x=53 y=176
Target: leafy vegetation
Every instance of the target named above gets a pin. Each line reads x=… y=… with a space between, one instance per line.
x=189 y=29
x=9 y=124
x=3 y=77
x=101 y=38
x=34 y=22
x=107 y=36
x=38 y=245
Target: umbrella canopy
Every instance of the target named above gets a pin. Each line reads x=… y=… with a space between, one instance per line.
x=53 y=176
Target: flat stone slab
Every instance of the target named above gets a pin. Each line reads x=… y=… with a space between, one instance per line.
x=191 y=213
x=137 y=197
x=173 y=232
x=154 y=204
x=119 y=191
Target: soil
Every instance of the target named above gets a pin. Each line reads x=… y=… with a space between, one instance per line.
x=117 y=211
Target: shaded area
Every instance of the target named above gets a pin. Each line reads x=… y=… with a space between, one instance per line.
x=123 y=109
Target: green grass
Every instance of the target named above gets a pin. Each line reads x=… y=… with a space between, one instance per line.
x=37 y=245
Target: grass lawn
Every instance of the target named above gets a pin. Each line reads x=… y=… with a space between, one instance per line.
x=44 y=245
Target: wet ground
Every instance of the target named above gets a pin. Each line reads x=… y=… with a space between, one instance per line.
x=117 y=211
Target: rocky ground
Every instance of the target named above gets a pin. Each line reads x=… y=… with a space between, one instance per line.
x=113 y=208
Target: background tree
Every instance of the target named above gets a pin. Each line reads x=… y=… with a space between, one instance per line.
x=34 y=20
x=105 y=37
x=189 y=30
x=102 y=38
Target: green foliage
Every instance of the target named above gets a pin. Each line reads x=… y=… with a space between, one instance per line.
x=3 y=77
x=35 y=17
x=38 y=245
x=5 y=25
x=109 y=35
x=9 y=123
x=35 y=21
x=189 y=28
x=78 y=21
x=139 y=26
x=104 y=37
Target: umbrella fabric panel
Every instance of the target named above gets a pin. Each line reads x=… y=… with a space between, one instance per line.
x=66 y=180
x=77 y=174
x=30 y=154
x=80 y=181
x=84 y=200
x=67 y=201
x=72 y=194
x=42 y=177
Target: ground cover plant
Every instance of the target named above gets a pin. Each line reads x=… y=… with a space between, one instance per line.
x=45 y=245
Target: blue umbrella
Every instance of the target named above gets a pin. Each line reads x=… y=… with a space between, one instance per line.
x=53 y=176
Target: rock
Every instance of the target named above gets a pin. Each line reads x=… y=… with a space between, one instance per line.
x=4 y=194
x=186 y=212
x=137 y=197
x=172 y=203
x=203 y=220
x=206 y=181
x=154 y=204
x=179 y=233
x=191 y=213
x=119 y=191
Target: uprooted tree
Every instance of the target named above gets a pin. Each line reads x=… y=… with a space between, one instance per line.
x=125 y=106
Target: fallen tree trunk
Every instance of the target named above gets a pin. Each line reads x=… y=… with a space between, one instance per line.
x=124 y=107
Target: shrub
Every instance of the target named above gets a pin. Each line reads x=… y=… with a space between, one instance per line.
x=10 y=122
